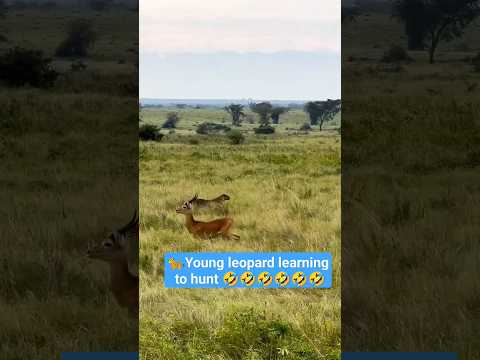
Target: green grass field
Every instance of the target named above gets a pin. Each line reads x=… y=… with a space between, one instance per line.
x=285 y=196
x=410 y=226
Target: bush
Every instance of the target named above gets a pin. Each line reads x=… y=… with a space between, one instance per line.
x=148 y=132
x=172 y=120
x=207 y=128
x=236 y=137
x=305 y=127
x=20 y=67
x=78 y=65
x=476 y=63
x=264 y=129
x=80 y=37
x=396 y=53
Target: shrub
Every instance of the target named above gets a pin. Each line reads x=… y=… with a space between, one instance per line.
x=207 y=128
x=148 y=132
x=236 y=137
x=476 y=63
x=395 y=53
x=78 y=65
x=305 y=127
x=172 y=120
x=264 y=129
x=80 y=37
x=20 y=67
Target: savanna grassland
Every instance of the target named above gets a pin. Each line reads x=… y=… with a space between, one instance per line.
x=69 y=175
x=410 y=160
x=285 y=196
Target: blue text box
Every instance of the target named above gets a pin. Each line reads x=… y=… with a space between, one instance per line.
x=248 y=270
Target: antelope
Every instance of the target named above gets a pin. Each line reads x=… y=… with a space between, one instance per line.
x=117 y=250
x=217 y=202
x=216 y=228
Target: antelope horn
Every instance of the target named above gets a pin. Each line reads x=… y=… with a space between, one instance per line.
x=133 y=222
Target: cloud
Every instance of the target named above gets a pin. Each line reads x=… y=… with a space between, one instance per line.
x=239 y=25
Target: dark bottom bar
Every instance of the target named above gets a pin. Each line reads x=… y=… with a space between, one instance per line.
x=399 y=355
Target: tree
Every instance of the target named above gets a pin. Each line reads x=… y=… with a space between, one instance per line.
x=412 y=13
x=3 y=8
x=312 y=108
x=438 y=20
x=236 y=112
x=276 y=112
x=322 y=111
x=80 y=37
x=263 y=110
x=172 y=120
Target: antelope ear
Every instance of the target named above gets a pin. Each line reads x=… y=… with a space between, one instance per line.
x=195 y=197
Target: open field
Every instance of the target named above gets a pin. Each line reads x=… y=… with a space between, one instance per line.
x=285 y=196
x=62 y=151
x=410 y=226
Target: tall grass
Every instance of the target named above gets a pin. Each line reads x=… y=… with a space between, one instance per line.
x=284 y=197
x=69 y=175
x=410 y=216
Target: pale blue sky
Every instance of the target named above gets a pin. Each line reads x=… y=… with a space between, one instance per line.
x=260 y=49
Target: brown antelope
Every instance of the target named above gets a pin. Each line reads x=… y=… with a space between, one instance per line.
x=117 y=250
x=216 y=228
x=217 y=202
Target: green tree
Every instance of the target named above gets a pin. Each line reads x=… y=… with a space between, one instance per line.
x=263 y=110
x=276 y=112
x=438 y=20
x=80 y=38
x=322 y=111
x=3 y=8
x=236 y=112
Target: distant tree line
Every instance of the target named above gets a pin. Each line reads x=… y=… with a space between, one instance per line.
x=318 y=112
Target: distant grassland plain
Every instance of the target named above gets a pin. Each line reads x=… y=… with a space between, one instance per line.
x=285 y=196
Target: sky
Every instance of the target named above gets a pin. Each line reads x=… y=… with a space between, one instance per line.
x=239 y=49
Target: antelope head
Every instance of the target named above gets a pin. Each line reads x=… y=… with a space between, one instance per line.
x=116 y=246
x=186 y=208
